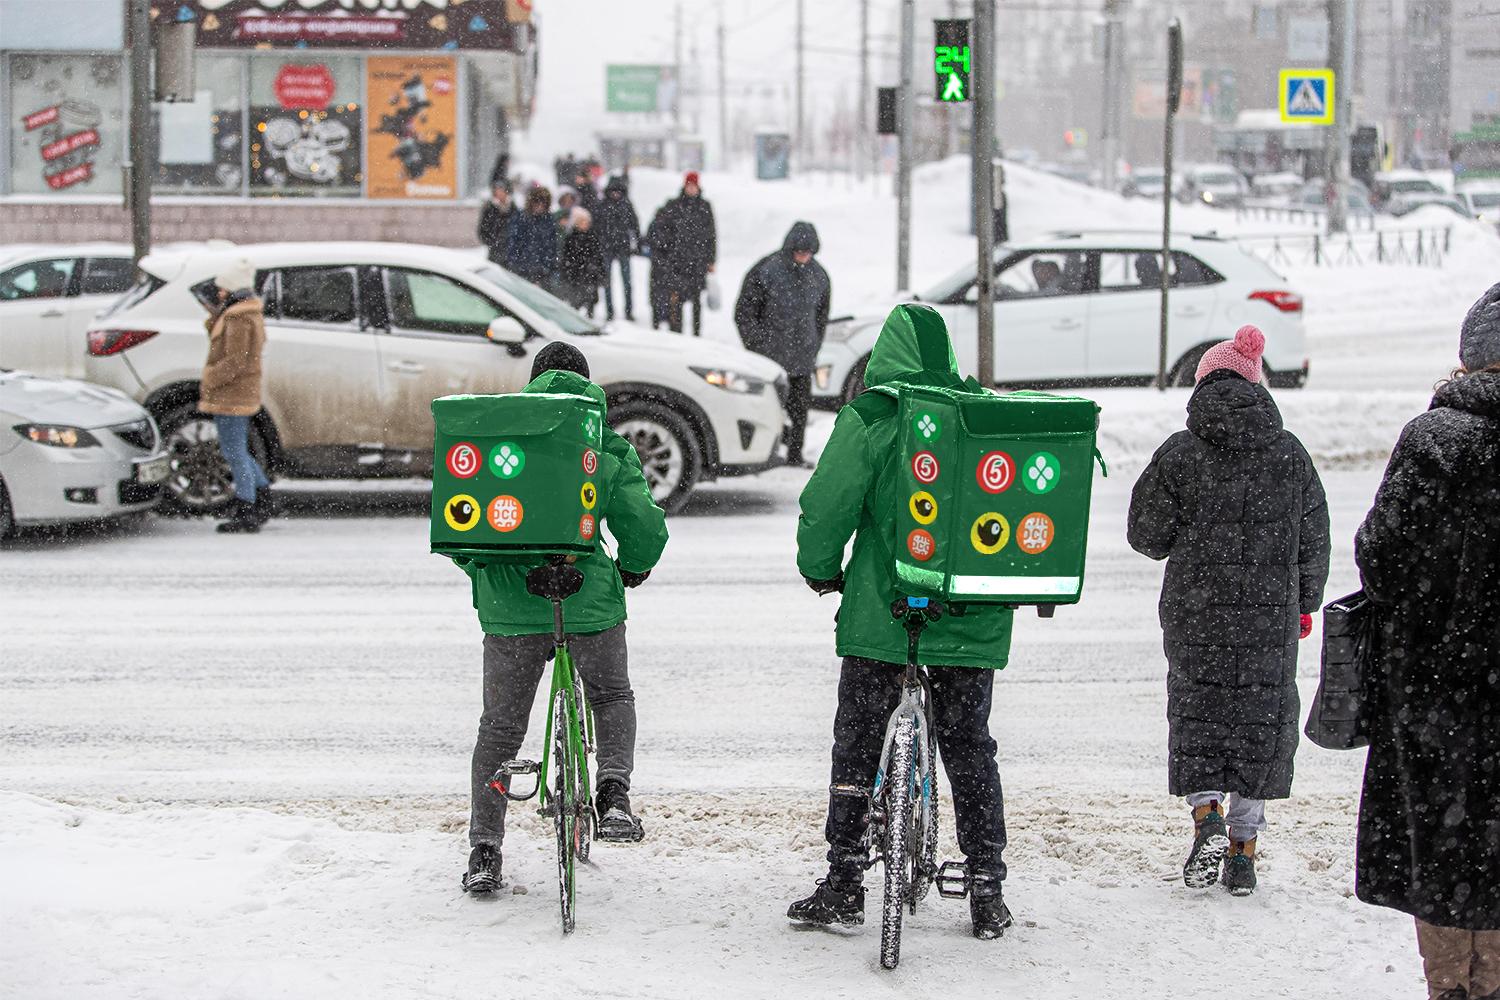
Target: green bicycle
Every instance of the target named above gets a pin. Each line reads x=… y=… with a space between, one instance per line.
x=565 y=747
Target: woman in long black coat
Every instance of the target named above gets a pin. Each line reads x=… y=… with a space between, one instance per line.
x=1236 y=508
x=1429 y=557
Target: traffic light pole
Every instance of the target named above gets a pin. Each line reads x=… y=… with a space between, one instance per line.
x=1341 y=58
x=1174 y=98
x=982 y=147
x=139 y=170
x=905 y=107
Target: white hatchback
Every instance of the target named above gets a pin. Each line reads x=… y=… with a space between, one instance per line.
x=48 y=295
x=362 y=337
x=1084 y=309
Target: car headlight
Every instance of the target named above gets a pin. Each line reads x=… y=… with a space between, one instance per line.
x=731 y=381
x=823 y=374
x=840 y=330
x=57 y=435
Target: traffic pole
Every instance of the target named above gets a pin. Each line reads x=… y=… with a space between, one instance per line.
x=140 y=168
x=981 y=148
x=1174 y=97
x=905 y=102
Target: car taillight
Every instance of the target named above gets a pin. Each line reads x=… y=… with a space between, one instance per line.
x=103 y=343
x=1287 y=302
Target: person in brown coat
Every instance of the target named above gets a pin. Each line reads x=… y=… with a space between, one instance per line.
x=230 y=389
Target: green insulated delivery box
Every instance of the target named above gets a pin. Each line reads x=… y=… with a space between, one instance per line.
x=994 y=505
x=514 y=476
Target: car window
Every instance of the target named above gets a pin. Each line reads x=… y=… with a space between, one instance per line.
x=107 y=275
x=543 y=303
x=144 y=287
x=1140 y=270
x=38 y=279
x=318 y=294
x=1189 y=270
x=1041 y=275
x=421 y=300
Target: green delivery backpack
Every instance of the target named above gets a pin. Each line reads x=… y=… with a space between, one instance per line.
x=994 y=503
x=515 y=476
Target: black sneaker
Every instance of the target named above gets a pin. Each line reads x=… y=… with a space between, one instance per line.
x=1210 y=842
x=1239 y=872
x=832 y=902
x=617 y=824
x=987 y=907
x=241 y=519
x=483 y=875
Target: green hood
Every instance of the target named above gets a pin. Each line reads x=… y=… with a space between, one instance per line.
x=565 y=382
x=913 y=346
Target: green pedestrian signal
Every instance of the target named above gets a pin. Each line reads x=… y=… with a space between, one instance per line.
x=950 y=60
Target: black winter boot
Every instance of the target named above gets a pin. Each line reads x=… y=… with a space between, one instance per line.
x=265 y=505
x=1210 y=841
x=987 y=906
x=617 y=824
x=483 y=876
x=838 y=899
x=241 y=519
x=1239 y=868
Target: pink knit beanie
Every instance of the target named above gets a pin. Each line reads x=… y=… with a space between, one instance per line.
x=1240 y=355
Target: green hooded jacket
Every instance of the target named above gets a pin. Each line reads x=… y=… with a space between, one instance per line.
x=854 y=491
x=625 y=506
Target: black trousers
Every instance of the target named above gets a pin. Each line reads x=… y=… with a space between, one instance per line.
x=675 y=304
x=623 y=260
x=869 y=691
x=798 y=399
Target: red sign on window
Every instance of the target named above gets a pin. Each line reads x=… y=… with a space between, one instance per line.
x=303 y=85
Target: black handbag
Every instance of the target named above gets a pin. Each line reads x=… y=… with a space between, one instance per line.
x=1339 y=716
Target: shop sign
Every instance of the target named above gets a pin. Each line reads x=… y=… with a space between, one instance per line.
x=410 y=24
x=69 y=140
x=304 y=85
x=411 y=119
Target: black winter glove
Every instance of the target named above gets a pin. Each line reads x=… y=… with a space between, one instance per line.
x=821 y=587
x=630 y=579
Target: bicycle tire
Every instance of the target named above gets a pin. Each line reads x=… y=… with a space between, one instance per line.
x=563 y=815
x=585 y=807
x=896 y=851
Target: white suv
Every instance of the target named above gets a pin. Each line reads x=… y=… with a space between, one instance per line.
x=361 y=337
x=1084 y=309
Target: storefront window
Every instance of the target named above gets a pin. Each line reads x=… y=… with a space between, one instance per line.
x=201 y=142
x=67 y=123
x=306 y=134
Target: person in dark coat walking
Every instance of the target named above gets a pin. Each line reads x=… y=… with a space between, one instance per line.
x=657 y=286
x=531 y=246
x=686 y=243
x=1236 y=508
x=494 y=221
x=1429 y=559
x=782 y=313
x=582 y=263
x=619 y=231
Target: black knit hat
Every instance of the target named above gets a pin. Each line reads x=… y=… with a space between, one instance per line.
x=560 y=357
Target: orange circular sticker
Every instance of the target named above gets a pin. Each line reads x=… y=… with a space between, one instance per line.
x=586 y=526
x=921 y=545
x=505 y=513
x=1035 y=534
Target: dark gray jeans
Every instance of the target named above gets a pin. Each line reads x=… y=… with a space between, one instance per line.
x=513 y=668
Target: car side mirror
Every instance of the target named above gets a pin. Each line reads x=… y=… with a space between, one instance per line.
x=506 y=330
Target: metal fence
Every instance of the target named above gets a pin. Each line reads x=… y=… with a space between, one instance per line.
x=1424 y=247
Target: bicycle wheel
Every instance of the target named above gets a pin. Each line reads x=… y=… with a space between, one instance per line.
x=584 y=836
x=897 y=850
x=564 y=818
x=924 y=839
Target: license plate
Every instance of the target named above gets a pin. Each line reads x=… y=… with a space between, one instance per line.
x=153 y=470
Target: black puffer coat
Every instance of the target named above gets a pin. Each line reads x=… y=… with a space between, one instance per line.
x=1236 y=508
x=1429 y=556
x=618 y=226
x=684 y=236
x=782 y=310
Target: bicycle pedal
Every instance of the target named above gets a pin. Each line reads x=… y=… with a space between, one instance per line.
x=952 y=880
x=501 y=781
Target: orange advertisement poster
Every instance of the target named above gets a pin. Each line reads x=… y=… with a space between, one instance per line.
x=411 y=127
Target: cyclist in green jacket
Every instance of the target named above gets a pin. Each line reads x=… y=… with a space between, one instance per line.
x=518 y=638
x=855 y=491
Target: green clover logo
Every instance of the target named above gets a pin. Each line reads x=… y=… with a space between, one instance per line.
x=1042 y=473
x=928 y=426
x=507 y=460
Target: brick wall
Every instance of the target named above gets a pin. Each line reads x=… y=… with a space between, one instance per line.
x=243 y=221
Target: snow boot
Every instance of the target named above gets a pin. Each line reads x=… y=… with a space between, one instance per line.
x=987 y=906
x=838 y=899
x=1239 y=868
x=617 y=824
x=483 y=876
x=265 y=506
x=241 y=519
x=1210 y=841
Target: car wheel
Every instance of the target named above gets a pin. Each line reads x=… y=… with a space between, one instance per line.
x=667 y=446
x=199 y=482
x=1186 y=372
x=7 y=516
x=855 y=383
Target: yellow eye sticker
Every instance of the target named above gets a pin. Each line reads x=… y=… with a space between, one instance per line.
x=923 y=507
x=589 y=495
x=462 y=512
x=989 y=533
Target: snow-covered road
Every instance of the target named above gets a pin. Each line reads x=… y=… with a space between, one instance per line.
x=235 y=767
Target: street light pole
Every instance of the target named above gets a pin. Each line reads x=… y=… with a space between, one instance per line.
x=981 y=149
x=1341 y=58
x=905 y=102
x=862 y=134
x=139 y=169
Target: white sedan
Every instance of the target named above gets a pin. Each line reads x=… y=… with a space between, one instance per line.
x=1077 y=310
x=71 y=451
x=48 y=294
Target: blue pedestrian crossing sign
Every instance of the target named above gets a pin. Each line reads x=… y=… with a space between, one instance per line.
x=1307 y=96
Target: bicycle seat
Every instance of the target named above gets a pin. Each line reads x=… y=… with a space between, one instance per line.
x=554 y=581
